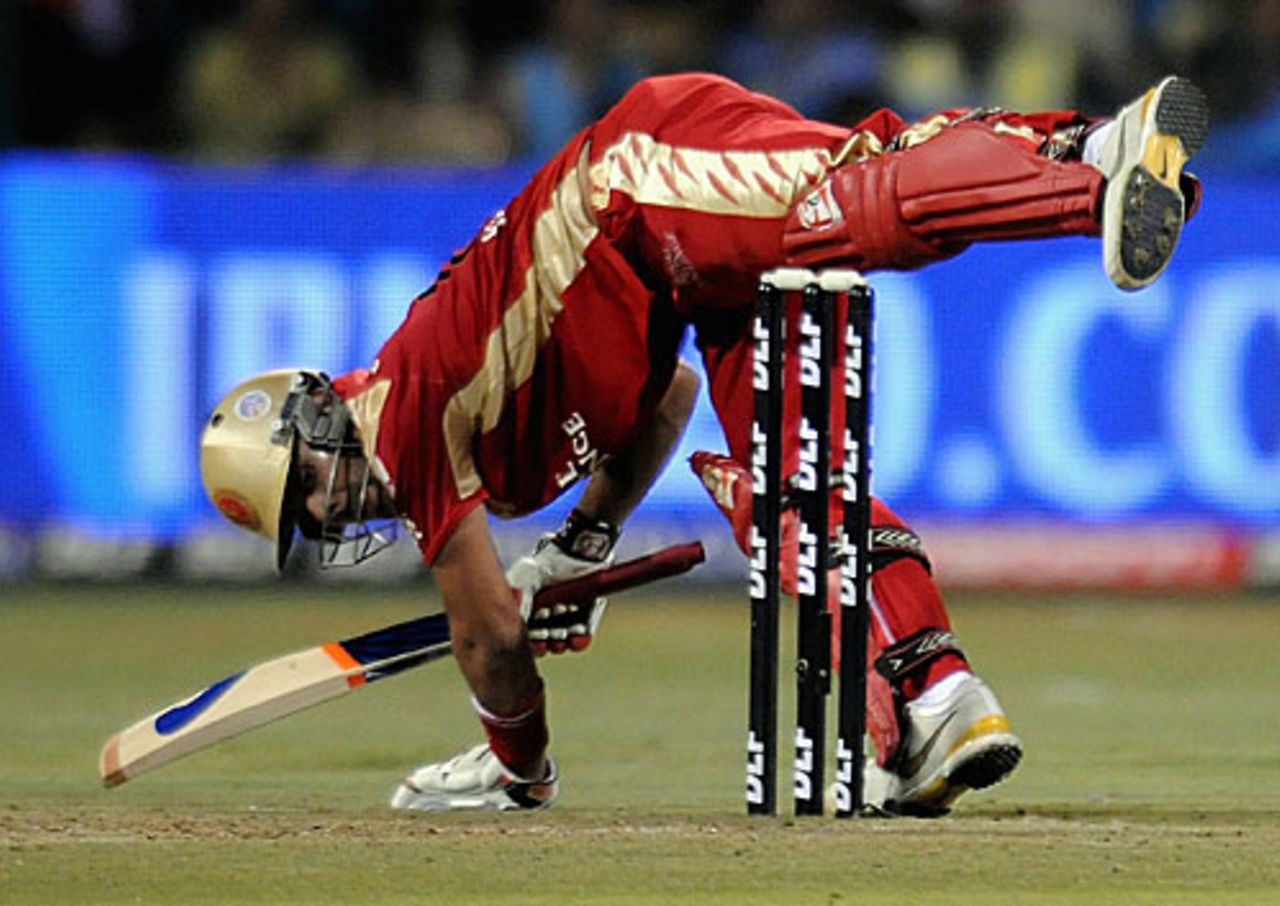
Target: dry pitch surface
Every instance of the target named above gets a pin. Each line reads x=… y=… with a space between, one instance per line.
x=1152 y=773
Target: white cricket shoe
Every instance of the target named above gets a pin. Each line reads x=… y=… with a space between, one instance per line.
x=959 y=744
x=1142 y=156
x=475 y=780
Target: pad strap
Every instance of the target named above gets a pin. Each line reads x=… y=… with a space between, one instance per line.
x=907 y=656
x=890 y=543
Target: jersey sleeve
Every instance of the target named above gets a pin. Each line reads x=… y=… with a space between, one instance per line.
x=399 y=406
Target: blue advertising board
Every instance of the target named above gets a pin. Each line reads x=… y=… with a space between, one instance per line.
x=1013 y=381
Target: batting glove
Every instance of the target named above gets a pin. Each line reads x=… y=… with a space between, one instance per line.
x=582 y=545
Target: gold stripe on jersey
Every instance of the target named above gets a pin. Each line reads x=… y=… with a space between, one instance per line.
x=366 y=409
x=755 y=183
x=745 y=183
x=561 y=235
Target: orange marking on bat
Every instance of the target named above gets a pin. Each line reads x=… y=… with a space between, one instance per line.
x=342 y=657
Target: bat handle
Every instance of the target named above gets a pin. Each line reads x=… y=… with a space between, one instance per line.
x=668 y=561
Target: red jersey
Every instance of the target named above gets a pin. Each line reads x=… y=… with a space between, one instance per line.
x=550 y=338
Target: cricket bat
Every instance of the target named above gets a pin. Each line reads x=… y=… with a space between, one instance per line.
x=285 y=685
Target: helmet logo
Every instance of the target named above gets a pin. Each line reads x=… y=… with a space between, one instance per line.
x=252 y=406
x=237 y=509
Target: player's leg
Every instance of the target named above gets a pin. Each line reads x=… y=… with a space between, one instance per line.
x=920 y=680
x=937 y=727
x=948 y=733
x=980 y=180
x=1142 y=152
x=512 y=770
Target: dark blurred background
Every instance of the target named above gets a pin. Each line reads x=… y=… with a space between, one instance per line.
x=294 y=171
x=489 y=82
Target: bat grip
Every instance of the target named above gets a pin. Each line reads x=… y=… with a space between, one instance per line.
x=669 y=561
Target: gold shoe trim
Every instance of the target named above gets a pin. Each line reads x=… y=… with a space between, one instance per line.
x=992 y=723
x=1164 y=157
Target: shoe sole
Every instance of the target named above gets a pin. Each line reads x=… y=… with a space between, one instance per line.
x=988 y=768
x=1149 y=207
x=979 y=764
x=1183 y=112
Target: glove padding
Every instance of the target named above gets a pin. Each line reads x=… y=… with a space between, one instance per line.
x=564 y=625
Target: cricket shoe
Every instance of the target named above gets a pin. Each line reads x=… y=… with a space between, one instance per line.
x=474 y=781
x=1142 y=155
x=961 y=743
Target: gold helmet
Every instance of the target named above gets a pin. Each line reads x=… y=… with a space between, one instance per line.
x=246 y=452
x=249 y=451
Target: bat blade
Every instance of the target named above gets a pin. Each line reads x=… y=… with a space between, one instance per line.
x=260 y=695
x=224 y=709
x=291 y=683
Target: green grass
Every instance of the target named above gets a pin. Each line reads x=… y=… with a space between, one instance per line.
x=1152 y=772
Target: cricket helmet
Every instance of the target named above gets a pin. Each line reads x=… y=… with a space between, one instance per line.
x=247 y=451
x=249 y=463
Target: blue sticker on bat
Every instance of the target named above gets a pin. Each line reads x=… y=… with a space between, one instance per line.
x=179 y=716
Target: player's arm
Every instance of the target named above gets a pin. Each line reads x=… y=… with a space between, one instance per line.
x=615 y=489
x=586 y=540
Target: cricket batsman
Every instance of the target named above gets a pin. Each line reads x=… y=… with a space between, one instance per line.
x=547 y=356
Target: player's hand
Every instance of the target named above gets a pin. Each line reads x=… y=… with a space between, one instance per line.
x=581 y=547
x=562 y=625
